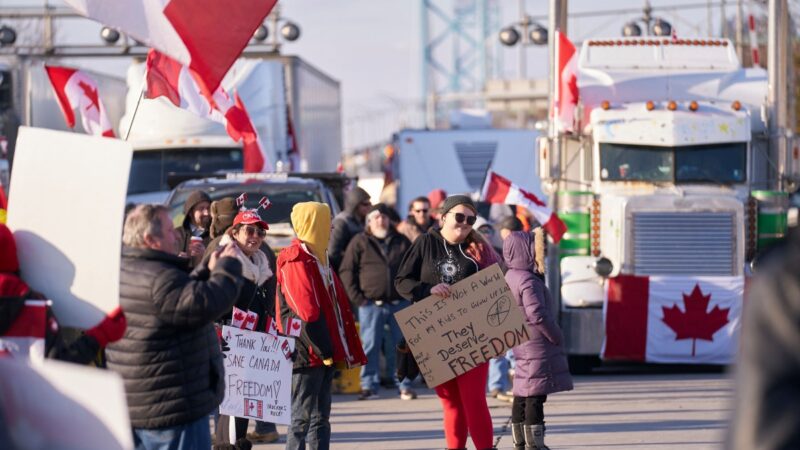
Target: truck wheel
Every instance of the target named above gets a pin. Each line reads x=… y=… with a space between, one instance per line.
x=582 y=364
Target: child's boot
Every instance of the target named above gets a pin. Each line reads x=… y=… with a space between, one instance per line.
x=518 y=436
x=534 y=437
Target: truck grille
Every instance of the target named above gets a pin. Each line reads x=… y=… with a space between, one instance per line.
x=684 y=243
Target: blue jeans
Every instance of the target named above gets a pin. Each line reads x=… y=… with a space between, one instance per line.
x=372 y=319
x=311 y=409
x=190 y=436
x=498 y=373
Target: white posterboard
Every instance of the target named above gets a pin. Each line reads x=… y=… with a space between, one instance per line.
x=258 y=376
x=64 y=406
x=66 y=208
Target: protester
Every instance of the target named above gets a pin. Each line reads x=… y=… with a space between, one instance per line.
x=347 y=224
x=765 y=413
x=435 y=199
x=434 y=262
x=419 y=219
x=223 y=213
x=368 y=270
x=170 y=358
x=311 y=297
x=17 y=299
x=541 y=364
x=508 y=225
x=193 y=233
x=486 y=229
x=247 y=232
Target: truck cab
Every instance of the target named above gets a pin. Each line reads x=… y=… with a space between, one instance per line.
x=668 y=177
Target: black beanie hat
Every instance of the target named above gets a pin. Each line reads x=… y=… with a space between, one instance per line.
x=455 y=200
x=511 y=223
x=380 y=207
x=193 y=199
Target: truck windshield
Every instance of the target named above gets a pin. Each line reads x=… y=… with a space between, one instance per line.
x=711 y=163
x=150 y=169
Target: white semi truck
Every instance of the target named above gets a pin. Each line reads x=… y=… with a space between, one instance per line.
x=669 y=177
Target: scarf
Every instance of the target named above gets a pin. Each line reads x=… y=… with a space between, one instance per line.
x=256 y=267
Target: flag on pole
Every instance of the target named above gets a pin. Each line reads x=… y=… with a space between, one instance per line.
x=75 y=89
x=180 y=85
x=673 y=319
x=206 y=35
x=567 y=84
x=497 y=189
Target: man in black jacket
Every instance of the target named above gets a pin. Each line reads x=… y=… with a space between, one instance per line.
x=193 y=234
x=347 y=224
x=169 y=357
x=368 y=270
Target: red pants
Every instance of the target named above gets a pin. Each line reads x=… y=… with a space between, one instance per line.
x=464 y=403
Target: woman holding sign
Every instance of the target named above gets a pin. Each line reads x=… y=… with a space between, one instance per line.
x=435 y=261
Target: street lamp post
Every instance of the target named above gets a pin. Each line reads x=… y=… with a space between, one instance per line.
x=659 y=27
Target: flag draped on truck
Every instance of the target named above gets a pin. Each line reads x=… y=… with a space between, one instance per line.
x=75 y=89
x=205 y=35
x=673 y=319
x=177 y=83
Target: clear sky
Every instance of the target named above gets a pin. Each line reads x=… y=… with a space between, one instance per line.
x=373 y=46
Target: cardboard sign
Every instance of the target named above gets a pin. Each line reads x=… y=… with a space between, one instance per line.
x=66 y=209
x=61 y=405
x=258 y=376
x=451 y=336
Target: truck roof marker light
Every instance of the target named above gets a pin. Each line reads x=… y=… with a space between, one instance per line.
x=736 y=105
x=650 y=105
x=693 y=106
x=606 y=105
x=672 y=106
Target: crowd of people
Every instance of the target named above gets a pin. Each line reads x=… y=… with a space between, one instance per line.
x=342 y=278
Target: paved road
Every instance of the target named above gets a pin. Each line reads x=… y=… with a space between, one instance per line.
x=639 y=410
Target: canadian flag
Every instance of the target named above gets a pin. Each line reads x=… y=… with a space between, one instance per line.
x=498 y=189
x=673 y=319
x=180 y=85
x=293 y=326
x=567 y=85
x=206 y=35
x=238 y=316
x=75 y=89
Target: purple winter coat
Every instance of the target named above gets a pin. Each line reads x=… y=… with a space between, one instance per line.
x=541 y=365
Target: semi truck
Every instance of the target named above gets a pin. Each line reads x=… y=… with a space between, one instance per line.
x=669 y=189
x=295 y=107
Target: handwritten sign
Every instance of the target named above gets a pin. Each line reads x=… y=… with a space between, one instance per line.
x=451 y=336
x=258 y=376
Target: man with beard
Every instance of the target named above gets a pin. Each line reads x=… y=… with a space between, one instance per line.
x=347 y=224
x=193 y=233
x=419 y=219
x=368 y=270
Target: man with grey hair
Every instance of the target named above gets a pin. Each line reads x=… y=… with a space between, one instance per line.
x=170 y=357
x=368 y=270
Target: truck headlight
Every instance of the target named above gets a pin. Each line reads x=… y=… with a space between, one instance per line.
x=603 y=267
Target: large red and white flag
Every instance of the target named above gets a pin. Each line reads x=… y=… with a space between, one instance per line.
x=206 y=35
x=673 y=319
x=497 y=189
x=179 y=84
x=75 y=89
x=567 y=86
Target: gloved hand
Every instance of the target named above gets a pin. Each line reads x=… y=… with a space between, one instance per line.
x=406 y=364
x=109 y=329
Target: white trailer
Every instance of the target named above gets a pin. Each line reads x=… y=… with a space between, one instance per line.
x=669 y=179
x=457 y=160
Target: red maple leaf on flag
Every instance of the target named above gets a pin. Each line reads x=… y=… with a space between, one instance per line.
x=695 y=323
x=91 y=94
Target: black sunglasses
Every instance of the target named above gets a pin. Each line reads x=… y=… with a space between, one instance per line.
x=461 y=217
x=251 y=231
x=420 y=210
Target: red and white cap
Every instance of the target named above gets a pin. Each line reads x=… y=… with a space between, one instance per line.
x=250 y=217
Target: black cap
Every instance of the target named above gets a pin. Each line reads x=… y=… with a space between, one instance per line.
x=380 y=207
x=511 y=223
x=455 y=200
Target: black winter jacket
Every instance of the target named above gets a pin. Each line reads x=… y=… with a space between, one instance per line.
x=169 y=357
x=430 y=261
x=370 y=265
